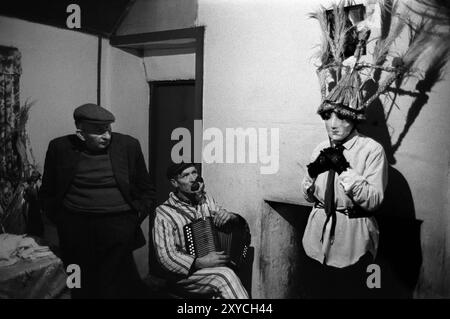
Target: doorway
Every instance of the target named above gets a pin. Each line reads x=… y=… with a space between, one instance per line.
x=167 y=98
x=172 y=105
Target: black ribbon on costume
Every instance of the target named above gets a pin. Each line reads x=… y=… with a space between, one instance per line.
x=329 y=203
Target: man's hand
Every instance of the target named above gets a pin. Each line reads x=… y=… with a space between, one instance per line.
x=337 y=159
x=222 y=217
x=200 y=193
x=320 y=165
x=213 y=259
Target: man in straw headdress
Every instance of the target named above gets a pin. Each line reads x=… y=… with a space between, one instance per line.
x=345 y=180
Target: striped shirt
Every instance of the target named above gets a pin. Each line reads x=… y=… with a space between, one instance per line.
x=168 y=235
x=168 y=238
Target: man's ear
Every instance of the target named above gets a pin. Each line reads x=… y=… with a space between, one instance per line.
x=80 y=135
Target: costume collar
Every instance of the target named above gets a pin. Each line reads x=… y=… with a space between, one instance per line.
x=351 y=140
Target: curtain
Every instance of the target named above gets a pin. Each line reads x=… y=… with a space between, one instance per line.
x=11 y=167
x=19 y=179
x=10 y=70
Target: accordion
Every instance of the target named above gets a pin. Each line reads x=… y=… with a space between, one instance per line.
x=203 y=237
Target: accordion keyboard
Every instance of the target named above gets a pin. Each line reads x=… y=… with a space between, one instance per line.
x=203 y=237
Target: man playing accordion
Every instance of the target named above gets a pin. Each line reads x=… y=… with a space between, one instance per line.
x=208 y=275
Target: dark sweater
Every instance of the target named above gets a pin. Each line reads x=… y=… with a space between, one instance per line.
x=94 y=188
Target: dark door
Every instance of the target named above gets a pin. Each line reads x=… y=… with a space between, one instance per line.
x=172 y=105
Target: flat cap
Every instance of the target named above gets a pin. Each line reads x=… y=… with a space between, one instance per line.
x=177 y=168
x=92 y=113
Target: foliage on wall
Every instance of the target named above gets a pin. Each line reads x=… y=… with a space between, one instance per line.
x=18 y=175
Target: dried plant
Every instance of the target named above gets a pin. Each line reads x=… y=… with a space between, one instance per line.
x=15 y=186
x=335 y=27
x=388 y=65
x=391 y=27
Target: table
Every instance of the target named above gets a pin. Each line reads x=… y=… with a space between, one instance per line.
x=42 y=278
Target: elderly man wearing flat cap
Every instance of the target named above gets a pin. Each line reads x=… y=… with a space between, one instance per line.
x=97 y=191
x=208 y=275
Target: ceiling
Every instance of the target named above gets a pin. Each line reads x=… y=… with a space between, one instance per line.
x=99 y=17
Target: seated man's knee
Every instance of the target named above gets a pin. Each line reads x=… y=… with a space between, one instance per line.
x=227 y=272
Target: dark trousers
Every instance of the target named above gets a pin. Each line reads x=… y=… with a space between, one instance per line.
x=101 y=244
x=326 y=282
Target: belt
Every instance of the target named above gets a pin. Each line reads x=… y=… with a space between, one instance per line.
x=351 y=212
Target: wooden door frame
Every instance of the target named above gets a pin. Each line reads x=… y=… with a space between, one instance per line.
x=179 y=41
x=146 y=44
x=168 y=43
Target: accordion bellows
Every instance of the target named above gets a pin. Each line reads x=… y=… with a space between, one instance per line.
x=203 y=237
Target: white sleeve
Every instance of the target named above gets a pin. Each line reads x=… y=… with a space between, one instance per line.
x=367 y=190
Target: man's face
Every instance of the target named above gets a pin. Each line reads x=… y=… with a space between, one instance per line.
x=338 y=128
x=185 y=179
x=96 y=136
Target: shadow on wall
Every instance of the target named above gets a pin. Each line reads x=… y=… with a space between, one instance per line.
x=399 y=254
